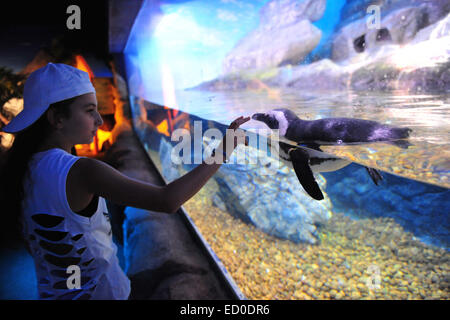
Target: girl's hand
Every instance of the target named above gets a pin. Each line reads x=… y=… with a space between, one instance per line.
x=230 y=133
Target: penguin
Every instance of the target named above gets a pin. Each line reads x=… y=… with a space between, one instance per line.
x=306 y=156
x=331 y=131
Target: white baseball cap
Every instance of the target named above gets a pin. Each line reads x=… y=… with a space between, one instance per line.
x=52 y=83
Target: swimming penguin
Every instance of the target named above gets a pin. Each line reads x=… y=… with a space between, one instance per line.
x=307 y=157
x=331 y=131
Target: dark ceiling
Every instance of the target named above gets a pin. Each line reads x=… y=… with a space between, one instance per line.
x=25 y=27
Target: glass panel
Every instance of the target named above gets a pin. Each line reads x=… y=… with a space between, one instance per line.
x=382 y=229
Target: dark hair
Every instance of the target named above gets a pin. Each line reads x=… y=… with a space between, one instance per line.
x=15 y=170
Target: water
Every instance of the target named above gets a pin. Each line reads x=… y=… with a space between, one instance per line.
x=362 y=241
x=427 y=160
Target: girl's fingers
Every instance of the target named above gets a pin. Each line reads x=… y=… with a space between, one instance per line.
x=237 y=122
x=242 y=121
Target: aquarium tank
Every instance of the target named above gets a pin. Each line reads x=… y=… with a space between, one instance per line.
x=194 y=66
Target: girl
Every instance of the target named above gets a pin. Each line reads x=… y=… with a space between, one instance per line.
x=59 y=198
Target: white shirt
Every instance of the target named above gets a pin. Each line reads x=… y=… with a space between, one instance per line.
x=62 y=241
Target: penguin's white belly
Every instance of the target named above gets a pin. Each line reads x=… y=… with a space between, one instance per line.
x=330 y=165
x=324 y=162
x=318 y=161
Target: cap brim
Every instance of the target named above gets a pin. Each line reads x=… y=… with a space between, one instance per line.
x=24 y=119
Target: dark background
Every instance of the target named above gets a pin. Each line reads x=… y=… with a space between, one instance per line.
x=27 y=26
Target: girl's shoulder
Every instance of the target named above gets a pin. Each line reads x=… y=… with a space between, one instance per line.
x=50 y=153
x=51 y=163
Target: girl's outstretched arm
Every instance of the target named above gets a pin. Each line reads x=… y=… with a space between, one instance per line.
x=91 y=176
x=185 y=187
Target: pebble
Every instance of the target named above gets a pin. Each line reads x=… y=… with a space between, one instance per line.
x=340 y=295
x=361 y=287
x=285 y=270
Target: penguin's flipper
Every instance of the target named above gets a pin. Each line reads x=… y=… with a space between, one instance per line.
x=311 y=145
x=375 y=175
x=300 y=162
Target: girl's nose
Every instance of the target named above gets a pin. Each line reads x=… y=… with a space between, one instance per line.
x=99 y=120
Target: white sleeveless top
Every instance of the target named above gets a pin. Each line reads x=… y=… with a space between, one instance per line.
x=74 y=256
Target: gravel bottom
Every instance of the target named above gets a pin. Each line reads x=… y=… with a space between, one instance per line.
x=356 y=259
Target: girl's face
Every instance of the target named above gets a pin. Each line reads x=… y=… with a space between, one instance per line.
x=84 y=120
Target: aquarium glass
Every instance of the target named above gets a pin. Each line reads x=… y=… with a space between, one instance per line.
x=192 y=67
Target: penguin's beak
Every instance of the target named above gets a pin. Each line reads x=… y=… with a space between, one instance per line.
x=258 y=116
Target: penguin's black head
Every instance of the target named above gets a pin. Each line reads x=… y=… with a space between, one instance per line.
x=268 y=119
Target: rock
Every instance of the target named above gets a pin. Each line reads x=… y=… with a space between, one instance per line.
x=272 y=48
x=277 y=13
x=403 y=24
x=170 y=170
x=409 y=52
x=399 y=25
x=428 y=79
x=348 y=40
x=435 y=31
x=396 y=68
x=288 y=213
x=375 y=77
x=357 y=9
x=324 y=74
x=272 y=44
x=353 y=10
x=419 y=208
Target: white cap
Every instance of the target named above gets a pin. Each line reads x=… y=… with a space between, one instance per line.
x=52 y=83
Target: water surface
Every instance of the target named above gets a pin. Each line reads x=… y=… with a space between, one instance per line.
x=428 y=115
